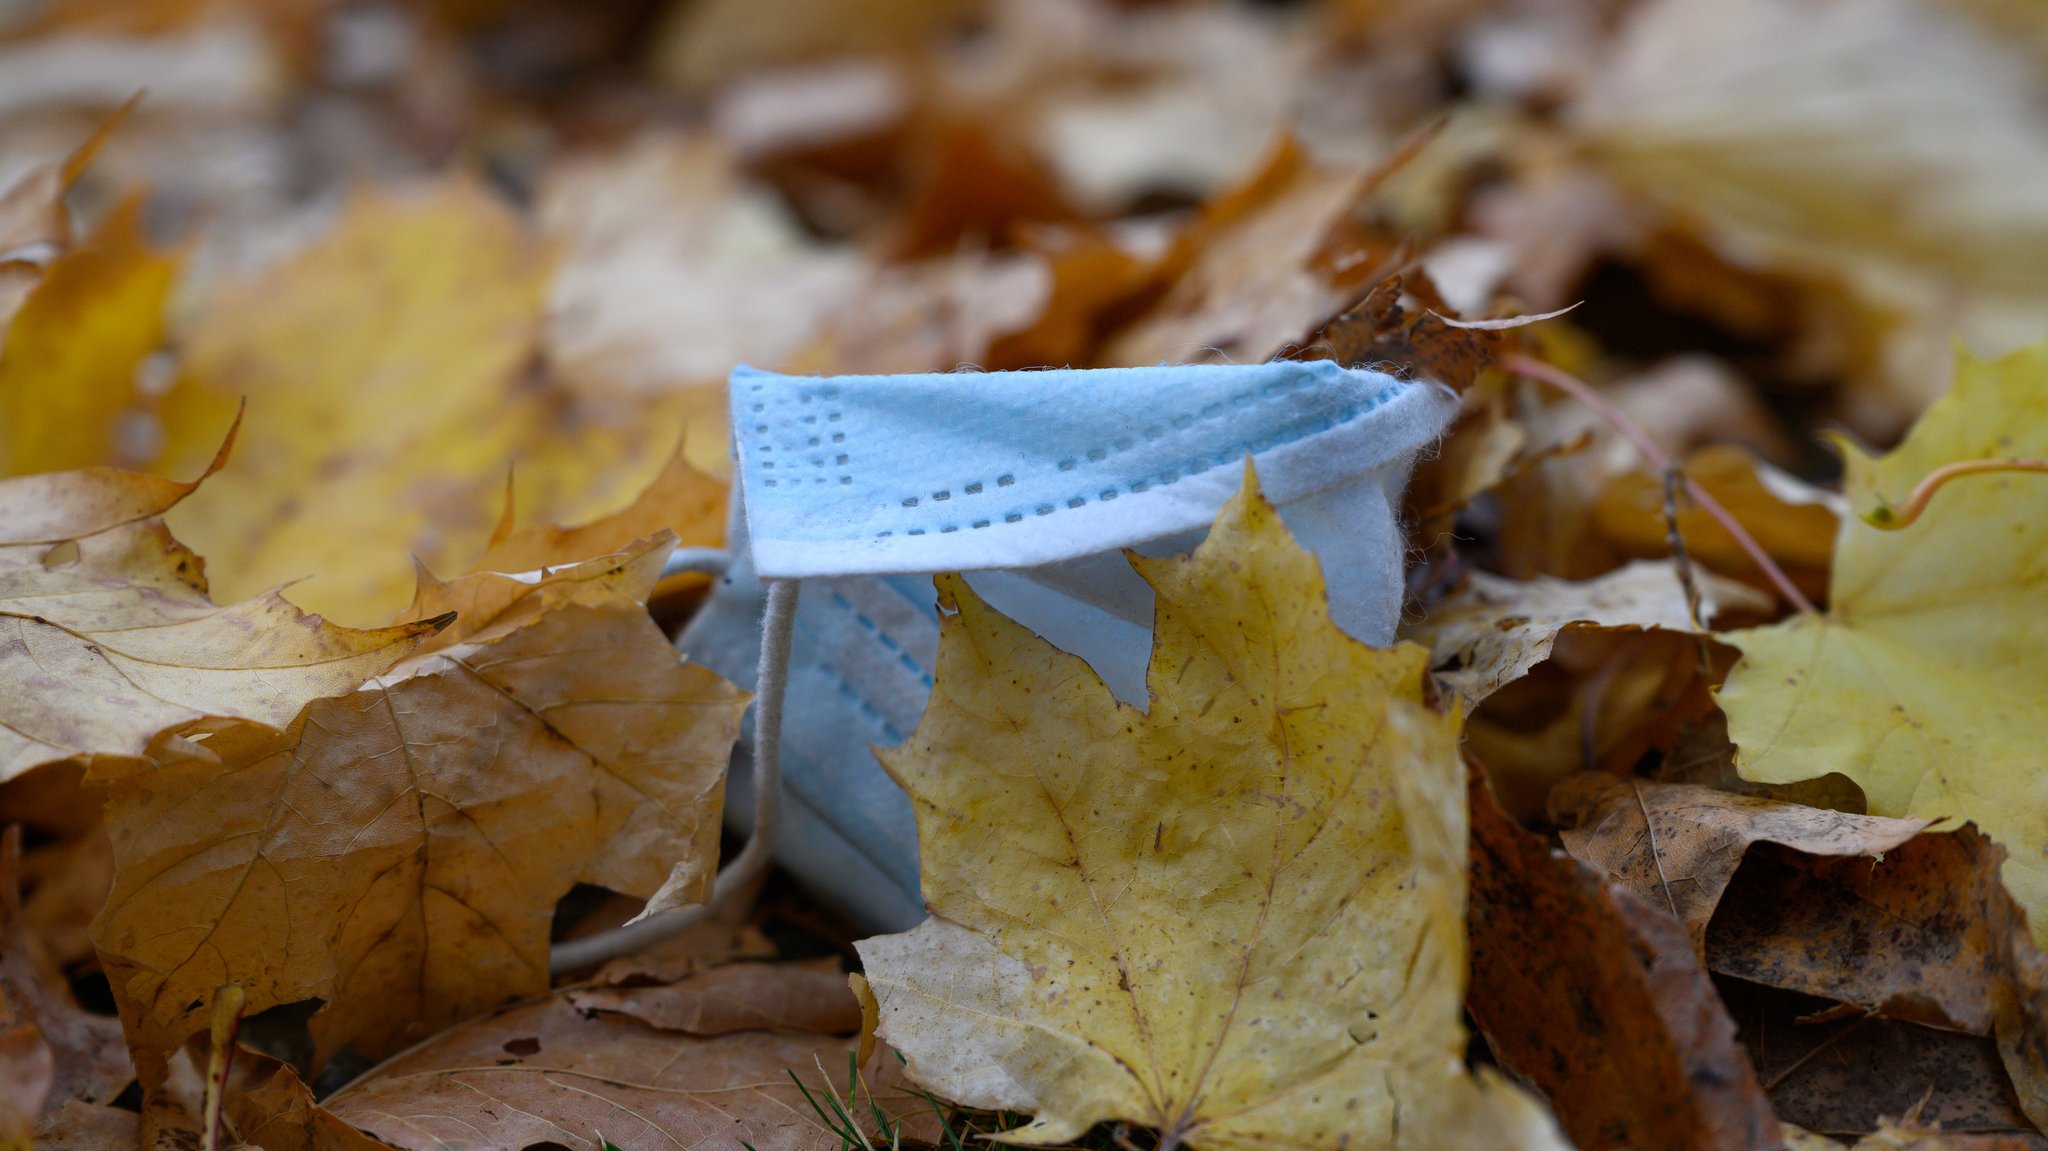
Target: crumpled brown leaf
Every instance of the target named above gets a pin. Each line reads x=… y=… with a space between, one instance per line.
x=397 y=851
x=1493 y=630
x=1915 y=934
x=1594 y=996
x=1911 y=1135
x=1900 y=923
x=1678 y=845
x=1411 y=336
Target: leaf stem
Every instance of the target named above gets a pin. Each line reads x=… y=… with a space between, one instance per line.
x=1583 y=392
x=228 y=1000
x=1886 y=517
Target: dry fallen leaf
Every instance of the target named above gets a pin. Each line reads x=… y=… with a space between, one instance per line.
x=1594 y=996
x=1237 y=918
x=1909 y=925
x=384 y=369
x=674 y=268
x=1247 y=280
x=1890 y=146
x=736 y=997
x=1923 y=680
x=549 y=1071
x=35 y=228
x=1494 y=630
x=681 y=500
x=1678 y=846
x=1919 y=934
x=69 y=363
x=88 y=1127
x=276 y=1111
x=397 y=851
x=107 y=637
x=1910 y=1135
x=1411 y=336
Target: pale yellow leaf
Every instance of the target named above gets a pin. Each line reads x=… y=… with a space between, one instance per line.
x=1238 y=918
x=108 y=638
x=1923 y=681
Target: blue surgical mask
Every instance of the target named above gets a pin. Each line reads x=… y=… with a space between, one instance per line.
x=1032 y=483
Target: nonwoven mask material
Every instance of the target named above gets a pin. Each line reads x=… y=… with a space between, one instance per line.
x=1032 y=483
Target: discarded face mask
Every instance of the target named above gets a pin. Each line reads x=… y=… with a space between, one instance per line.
x=1032 y=483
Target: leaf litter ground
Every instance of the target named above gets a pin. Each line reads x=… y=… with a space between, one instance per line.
x=473 y=275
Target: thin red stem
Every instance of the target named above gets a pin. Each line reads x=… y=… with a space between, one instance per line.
x=1889 y=518
x=1583 y=392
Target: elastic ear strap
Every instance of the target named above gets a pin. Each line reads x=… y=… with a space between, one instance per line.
x=778 y=627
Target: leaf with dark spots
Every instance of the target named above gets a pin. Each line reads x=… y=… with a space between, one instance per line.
x=1913 y=936
x=1678 y=845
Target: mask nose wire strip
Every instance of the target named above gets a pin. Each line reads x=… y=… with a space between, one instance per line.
x=778 y=626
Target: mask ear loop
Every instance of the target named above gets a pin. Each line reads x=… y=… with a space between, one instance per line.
x=778 y=625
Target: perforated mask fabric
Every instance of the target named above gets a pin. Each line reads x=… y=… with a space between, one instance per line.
x=1032 y=483
x=963 y=471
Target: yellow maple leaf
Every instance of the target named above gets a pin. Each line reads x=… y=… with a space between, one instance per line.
x=1238 y=918
x=68 y=367
x=108 y=637
x=386 y=375
x=681 y=499
x=398 y=850
x=1923 y=681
